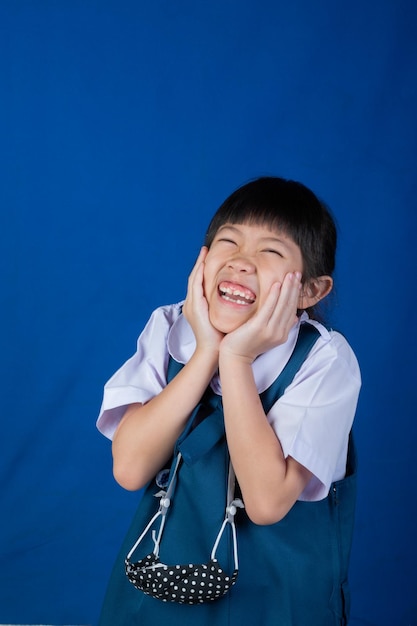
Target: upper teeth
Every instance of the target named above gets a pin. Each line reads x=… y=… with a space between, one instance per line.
x=236 y=292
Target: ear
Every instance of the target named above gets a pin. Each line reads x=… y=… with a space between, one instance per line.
x=314 y=291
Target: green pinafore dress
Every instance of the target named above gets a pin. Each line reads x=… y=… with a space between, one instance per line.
x=292 y=573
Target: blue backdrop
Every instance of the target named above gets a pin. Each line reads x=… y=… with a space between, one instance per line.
x=123 y=126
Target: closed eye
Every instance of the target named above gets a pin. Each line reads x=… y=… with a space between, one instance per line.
x=226 y=240
x=272 y=251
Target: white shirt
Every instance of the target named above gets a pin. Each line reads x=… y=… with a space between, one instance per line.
x=313 y=418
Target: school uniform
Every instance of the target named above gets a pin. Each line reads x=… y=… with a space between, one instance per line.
x=293 y=573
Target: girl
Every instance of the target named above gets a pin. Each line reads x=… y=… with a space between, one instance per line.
x=267 y=262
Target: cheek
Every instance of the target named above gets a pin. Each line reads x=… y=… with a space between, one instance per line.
x=268 y=279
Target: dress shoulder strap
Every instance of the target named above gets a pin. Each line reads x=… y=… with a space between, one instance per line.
x=307 y=337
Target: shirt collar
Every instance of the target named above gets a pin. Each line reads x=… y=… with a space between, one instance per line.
x=181 y=346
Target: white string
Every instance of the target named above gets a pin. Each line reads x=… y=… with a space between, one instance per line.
x=230 y=516
x=164 y=504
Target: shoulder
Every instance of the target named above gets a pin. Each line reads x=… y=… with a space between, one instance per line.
x=330 y=375
x=161 y=321
x=166 y=315
x=167 y=332
x=143 y=375
x=333 y=350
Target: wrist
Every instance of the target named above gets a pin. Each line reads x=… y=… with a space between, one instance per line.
x=207 y=355
x=232 y=358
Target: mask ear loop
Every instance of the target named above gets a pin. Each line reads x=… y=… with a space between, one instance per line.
x=164 y=504
x=231 y=509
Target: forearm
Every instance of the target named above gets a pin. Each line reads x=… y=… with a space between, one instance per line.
x=270 y=483
x=146 y=435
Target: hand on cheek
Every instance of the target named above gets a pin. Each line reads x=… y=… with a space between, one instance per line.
x=195 y=307
x=270 y=325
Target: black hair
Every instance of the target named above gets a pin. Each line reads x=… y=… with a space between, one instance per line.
x=290 y=207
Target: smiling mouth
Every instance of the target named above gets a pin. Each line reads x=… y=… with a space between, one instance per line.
x=236 y=294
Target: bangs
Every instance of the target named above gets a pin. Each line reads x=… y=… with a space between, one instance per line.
x=277 y=204
x=283 y=206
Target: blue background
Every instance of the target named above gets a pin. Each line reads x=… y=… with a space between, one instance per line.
x=123 y=126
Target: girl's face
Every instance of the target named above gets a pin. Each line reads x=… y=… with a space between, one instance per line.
x=241 y=265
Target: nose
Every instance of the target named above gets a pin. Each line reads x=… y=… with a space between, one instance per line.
x=241 y=263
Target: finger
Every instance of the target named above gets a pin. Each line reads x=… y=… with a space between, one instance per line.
x=291 y=290
x=286 y=309
x=280 y=308
x=270 y=305
x=198 y=264
x=201 y=256
x=196 y=274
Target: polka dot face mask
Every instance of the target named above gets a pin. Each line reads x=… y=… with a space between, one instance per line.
x=185 y=584
x=190 y=583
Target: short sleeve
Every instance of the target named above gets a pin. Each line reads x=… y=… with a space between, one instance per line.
x=314 y=417
x=143 y=376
